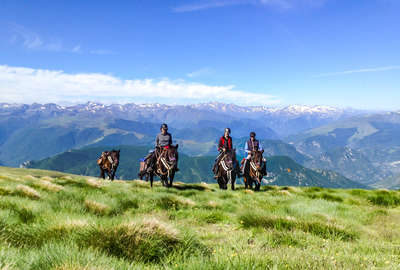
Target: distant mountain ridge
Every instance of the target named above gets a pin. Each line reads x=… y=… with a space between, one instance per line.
x=285 y=121
x=363 y=148
x=37 y=131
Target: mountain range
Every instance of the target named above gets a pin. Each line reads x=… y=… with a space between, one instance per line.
x=363 y=148
x=360 y=145
x=40 y=130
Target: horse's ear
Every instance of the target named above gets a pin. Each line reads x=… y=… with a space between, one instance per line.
x=262 y=151
x=177 y=146
x=119 y=150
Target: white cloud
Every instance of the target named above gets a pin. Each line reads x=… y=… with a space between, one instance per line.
x=281 y=4
x=199 y=73
x=363 y=70
x=27 y=85
x=31 y=40
x=76 y=49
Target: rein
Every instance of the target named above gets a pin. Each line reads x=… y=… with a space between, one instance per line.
x=165 y=163
x=255 y=171
x=226 y=169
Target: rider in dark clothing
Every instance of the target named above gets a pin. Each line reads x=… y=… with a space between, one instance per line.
x=225 y=144
x=251 y=145
x=163 y=140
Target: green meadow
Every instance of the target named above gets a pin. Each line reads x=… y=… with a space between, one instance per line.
x=51 y=220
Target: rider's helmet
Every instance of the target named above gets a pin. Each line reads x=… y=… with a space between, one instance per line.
x=228 y=129
x=252 y=134
x=164 y=126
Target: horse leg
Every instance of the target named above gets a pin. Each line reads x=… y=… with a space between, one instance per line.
x=226 y=182
x=151 y=179
x=233 y=183
x=112 y=175
x=219 y=180
x=171 y=177
x=258 y=185
x=246 y=185
x=102 y=175
x=164 y=180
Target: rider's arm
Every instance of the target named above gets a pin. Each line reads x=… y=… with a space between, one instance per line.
x=246 y=148
x=260 y=148
x=170 y=139
x=157 y=141
x=220 y=144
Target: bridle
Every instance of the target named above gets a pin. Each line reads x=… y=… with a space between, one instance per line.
x=226 y=169
x=167 y=165
x=256 y=169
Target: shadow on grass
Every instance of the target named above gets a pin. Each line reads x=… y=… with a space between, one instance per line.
x=191 y=187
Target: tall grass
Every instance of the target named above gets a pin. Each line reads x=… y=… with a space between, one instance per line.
x=55 y=221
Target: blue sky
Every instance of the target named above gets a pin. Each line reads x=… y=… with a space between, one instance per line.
x=270 y=52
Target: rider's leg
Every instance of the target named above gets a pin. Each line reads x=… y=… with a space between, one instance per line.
x=215 y=167
x=246 y=161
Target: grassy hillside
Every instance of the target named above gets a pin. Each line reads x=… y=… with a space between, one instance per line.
x=50 y=220
x=281 y=170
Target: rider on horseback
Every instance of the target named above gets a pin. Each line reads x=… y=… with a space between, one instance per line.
x=251 y=145
x=225 y=144
x=163 y=140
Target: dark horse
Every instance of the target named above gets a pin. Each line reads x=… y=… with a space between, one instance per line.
x=227 y=170
x=166 y=162
x=255 y=170
x=108 y=162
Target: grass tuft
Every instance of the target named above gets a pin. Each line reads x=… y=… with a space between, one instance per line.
x=5 y=191
x=47 y=178
x=26 y=191
x=385 y=198
x=46 y=185
x=325 y=196
x=97 y=208
x=172 y=202
x=94 y=182
x=326 y=231
x=149 y=240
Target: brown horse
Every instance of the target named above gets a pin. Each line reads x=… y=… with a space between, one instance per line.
x=108 y=162
x=165 y=165
x=227 y=170
x=255 y=170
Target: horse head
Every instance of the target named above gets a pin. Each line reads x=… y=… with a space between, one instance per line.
x=229 y=158
x=115 y=157
x=257 y=158
x=172 y=154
